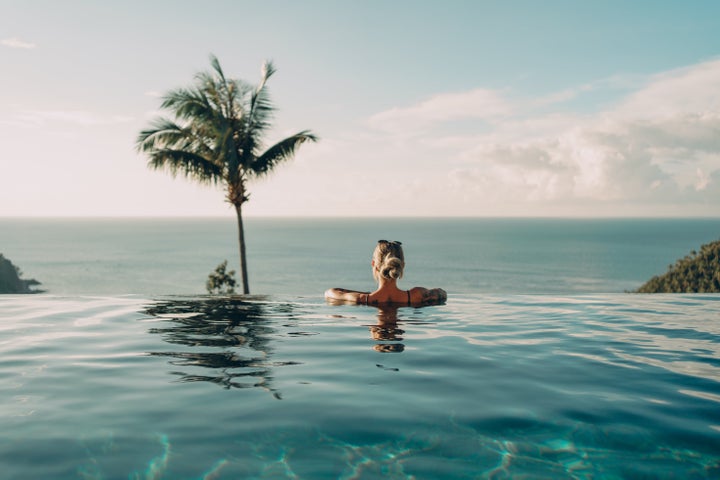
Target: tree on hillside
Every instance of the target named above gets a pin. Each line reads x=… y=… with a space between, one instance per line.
x=698 y=272
x=217 y=137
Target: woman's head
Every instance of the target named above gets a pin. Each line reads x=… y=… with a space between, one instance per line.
x=388 y=260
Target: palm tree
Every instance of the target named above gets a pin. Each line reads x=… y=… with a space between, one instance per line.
x=217 y=137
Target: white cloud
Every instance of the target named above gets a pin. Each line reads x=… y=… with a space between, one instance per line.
x=655 y=149
x=15 y=42
x=613 y=83
x=562 y=96
x=476 y=104
x=690 y=90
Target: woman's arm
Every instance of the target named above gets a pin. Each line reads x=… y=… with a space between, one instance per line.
x=344 y=295
x=428 y=296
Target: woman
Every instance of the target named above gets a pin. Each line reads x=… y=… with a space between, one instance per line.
x=388 y=263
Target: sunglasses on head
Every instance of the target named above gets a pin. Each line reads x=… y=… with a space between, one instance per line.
x=393 y=242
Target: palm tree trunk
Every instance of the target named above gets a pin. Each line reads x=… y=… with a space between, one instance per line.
x=241 y=240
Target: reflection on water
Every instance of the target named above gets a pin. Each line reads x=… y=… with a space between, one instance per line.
x=386 y=332
x=229 y=339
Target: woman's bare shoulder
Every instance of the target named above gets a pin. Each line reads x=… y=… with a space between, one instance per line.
x=428 y=296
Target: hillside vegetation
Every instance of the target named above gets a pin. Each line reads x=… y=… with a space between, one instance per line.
x=698 y=272
x=11 y=281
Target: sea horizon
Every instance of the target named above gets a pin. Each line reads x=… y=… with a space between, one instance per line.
x=306 y=255
x=367 y=217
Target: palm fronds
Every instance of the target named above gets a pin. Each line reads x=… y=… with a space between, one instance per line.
x=282 y=151
x=219 y=129
x=188 y=164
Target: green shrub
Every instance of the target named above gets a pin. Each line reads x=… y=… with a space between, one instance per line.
x=221 y=281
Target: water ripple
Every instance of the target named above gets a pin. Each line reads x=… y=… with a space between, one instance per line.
x=489 y=386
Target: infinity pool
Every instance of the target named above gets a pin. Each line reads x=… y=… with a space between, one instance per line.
x=591 y=387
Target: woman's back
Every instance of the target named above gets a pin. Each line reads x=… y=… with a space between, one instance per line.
x=388 y=264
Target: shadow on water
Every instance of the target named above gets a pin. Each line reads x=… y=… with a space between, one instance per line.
x=227 y=340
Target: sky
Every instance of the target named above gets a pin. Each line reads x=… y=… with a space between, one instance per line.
x=423 y=108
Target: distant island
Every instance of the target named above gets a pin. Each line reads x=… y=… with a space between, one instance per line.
x=11 y=279
x=698 y=272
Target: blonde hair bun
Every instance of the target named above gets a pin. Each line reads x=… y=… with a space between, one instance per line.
x=388 y=260
x=392 y=268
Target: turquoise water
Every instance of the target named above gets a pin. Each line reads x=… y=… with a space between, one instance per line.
x=307 y=256
x=488 y=386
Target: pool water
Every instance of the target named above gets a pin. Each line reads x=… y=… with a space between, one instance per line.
x=487 y=386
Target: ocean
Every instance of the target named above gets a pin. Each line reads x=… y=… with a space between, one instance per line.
x=161 y=256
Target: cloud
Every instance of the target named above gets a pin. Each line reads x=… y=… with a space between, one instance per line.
x=15 y=42
x=476 y=104
x=618 y=162
x=612 y=83
x=688 y=90
x=657 y=147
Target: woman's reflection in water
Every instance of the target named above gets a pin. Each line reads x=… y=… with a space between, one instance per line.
x=387 y=330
